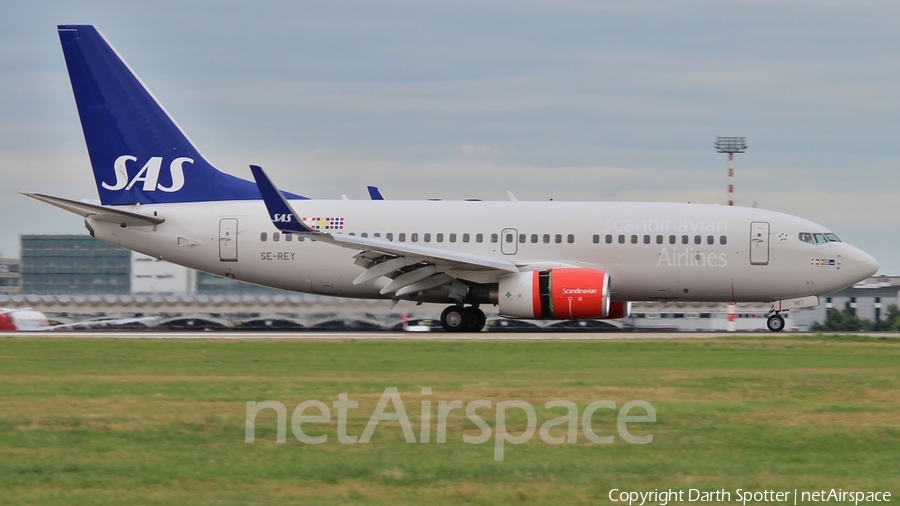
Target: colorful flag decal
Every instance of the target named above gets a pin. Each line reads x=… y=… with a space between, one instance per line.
x=322 y=224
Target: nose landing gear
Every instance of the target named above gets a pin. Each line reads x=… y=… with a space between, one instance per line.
x=463 y=319
x=775 y=323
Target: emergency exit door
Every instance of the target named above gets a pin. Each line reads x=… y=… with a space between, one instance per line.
x=508 y=244
x=759 y=243
x=228 y=247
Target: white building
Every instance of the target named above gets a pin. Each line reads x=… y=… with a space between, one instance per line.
x=151 y=276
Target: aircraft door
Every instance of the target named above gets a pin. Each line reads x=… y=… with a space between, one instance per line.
x=759 y=243
x=228 y=251
x=508 y=244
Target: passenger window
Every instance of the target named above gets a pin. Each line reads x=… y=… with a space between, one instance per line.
x=479 y=237
x=621 y=238
x=494 y=237
x=389 y=236
x=646 y=239
x=608 y=238
x=723 y=240
x=672 y=239
x=546 y=238
x=289 y=237
x=634 y=239
x=522 y=238
x=427 y=237
x=452 y=237
x=440 y=238
x=697 y=239
x=710 y=239
x=596 y=238
x=659 y=239
x=401 y=237
x=684 y=239
x=364 y=234
x=570 y=238
x=509 y=238
x=534 y=238
x=263 y=237
x=276 y=236
x=300 y=238
x=377 y=234
x=465 y=237
x=414 y=237
x=807 y=237
x=558 y=239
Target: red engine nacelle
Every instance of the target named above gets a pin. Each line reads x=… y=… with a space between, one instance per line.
x=559 y=294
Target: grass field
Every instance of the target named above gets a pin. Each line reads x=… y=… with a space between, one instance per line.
x=111 y=421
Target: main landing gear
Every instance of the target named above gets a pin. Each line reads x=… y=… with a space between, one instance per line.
x=463 y=319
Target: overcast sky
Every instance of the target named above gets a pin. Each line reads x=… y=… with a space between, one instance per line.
x=560 y=99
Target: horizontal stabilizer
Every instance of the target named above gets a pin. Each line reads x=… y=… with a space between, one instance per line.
x=102 y=213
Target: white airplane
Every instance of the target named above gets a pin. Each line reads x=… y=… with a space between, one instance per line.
x=23 y=319
x=29 y=320
x=554 y=260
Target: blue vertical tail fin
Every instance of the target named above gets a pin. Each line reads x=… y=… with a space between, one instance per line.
x=137 y=151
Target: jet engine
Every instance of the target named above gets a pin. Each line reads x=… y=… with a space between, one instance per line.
x=559 y=294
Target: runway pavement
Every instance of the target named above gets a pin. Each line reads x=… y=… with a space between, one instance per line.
x=436 y=336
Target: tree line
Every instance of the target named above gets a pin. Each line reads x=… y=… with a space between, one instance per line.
x=847 y=320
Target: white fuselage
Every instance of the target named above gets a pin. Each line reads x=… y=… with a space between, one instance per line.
x=726 y=254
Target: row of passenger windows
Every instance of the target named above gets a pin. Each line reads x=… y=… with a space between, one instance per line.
x=523 y=238
x=660 y=239
x=401 y=237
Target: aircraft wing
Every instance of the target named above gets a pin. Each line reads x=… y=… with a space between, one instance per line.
x=99 y=212
x=412 y=268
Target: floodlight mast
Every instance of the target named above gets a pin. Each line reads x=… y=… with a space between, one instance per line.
x=731 y=145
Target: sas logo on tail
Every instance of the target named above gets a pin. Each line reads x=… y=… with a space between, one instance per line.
x=149 y=174
x=282 y=218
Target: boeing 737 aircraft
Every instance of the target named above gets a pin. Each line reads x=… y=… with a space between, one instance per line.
x=553 y=260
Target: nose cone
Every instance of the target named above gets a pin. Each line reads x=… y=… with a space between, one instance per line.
x=861 y=264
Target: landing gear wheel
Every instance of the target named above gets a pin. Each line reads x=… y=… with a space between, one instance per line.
x=776 y=323
x=455 y=319
x=463 y=319
x=475 y=319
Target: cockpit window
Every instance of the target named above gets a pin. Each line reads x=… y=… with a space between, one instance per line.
x=818 y=238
